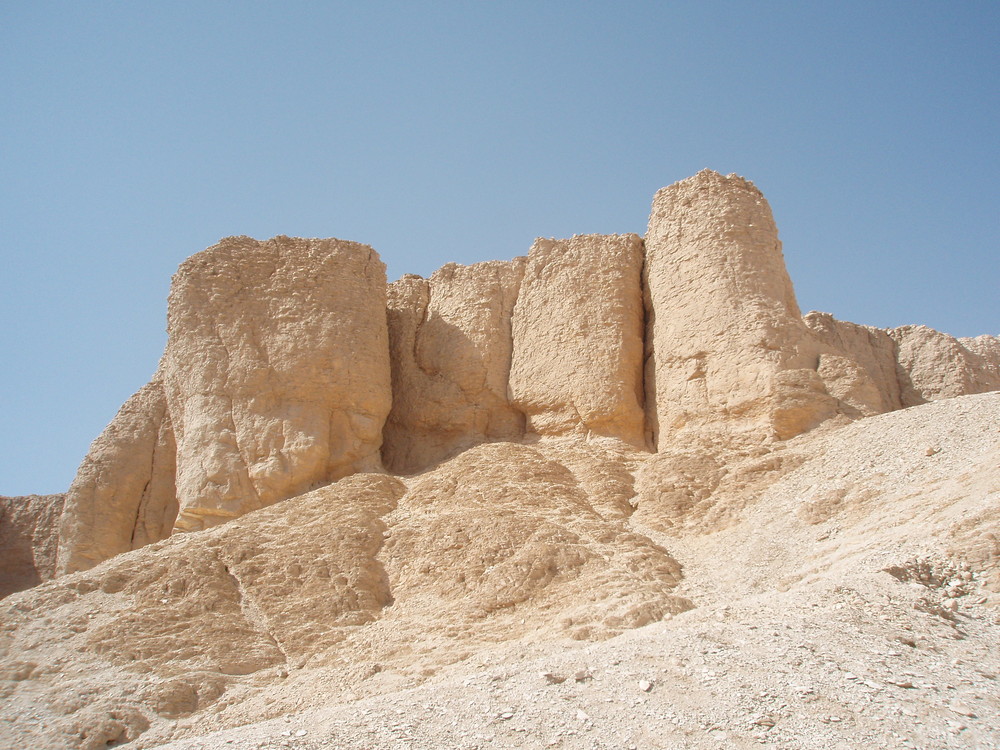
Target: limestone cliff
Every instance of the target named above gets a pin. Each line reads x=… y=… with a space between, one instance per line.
x=578 y=332
x=291 y=363
x=123 y=496
x=276 y=371
x=726 y=345
x=450 y=347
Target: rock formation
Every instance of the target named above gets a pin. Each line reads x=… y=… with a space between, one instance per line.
x=29 y=535
x=726 y=346
x=450 y=346
x=563 y=429
x=859 y=366
x=291 y=363
x=934 y=365
x=578 y=333
x=123 y=496
x=276 y=371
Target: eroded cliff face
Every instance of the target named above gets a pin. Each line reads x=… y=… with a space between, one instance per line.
x=934 y=365
x=276 y=372
x=726 y=346
x=123 y=496
x=29 y=535
x=578 y=338
x=291 y=363
x=450 y=345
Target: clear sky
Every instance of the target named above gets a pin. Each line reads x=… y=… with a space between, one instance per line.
x=133 y=134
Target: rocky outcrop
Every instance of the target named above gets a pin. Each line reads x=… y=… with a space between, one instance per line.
x=291 y=364
x=933 y=365
x=29 y=533
x=123 y=496
x=450 y=345
x=726 y=346
x=858 y=367
x=578 y=338
x=276 y=371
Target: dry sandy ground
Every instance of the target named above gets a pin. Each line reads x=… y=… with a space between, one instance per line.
x=853 y=605
x=851 y=601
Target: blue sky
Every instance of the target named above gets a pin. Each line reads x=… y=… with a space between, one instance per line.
x=134 y=134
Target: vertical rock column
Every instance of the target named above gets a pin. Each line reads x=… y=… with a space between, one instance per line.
x=450 y=344
x=578 y=338
x=726 y=345
x=276 y=371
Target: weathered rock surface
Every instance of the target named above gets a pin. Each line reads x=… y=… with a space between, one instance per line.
x=578 y=338
x=726 y=345
x=934 y=365
x=366 y=580
x=29 y=534
x=859 y=368
x=450 y=343
x=123 y=496
x=276 y=371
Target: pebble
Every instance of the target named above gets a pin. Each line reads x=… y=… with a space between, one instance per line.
x=645 y=685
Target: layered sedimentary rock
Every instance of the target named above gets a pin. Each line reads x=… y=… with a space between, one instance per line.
x=578 y=338
x=859 y=366
x=450 y=344
x=29 y=532
x=276 y=371
x=725 y=341
x=934 y=365
x=123 y=496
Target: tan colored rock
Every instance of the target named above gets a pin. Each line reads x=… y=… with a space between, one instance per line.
x=450 y=341
x=578 y=338
x=276 y=371
x=725 y=341
x=934 y=365
x=123 y=496
x=321 y=596
x=29 y=535
x=861 y=369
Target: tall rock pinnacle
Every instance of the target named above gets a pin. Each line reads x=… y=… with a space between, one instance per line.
x=725 y=342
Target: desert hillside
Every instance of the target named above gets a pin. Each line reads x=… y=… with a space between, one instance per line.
x=620 y=492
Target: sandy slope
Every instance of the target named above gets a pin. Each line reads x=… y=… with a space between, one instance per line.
x=799 y=637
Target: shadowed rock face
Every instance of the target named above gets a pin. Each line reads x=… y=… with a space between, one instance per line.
x=450 y=344
x=276 y=371
x=578 y=338
x=726 y=345
x=29 y=532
